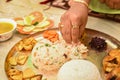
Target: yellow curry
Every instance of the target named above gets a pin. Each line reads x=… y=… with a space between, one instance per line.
x=5 y=27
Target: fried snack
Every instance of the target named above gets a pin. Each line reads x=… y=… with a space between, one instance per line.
x=28 y=73
x=37 y=77
x=30 y=40
x=111 y=65
x=13 y=61
x=15 y=74
x=26 y=44
x=21 y=59
x=20 y=46
x=17 y=77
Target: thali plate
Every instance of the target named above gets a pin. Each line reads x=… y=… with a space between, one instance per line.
x=94 y=56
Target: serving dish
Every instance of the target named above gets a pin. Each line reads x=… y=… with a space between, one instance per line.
x=8 y=26
x=94 y=56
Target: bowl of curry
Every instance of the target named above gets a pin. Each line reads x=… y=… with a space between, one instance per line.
x=7 y=27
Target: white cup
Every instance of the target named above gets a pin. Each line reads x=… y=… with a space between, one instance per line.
x=9 y=34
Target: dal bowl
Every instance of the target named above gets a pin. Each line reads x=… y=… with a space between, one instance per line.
x=7 y=27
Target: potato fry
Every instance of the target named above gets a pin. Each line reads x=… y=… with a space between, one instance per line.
x=27 y=73
x=13 y=61
x=21 y=59
x=111 y=64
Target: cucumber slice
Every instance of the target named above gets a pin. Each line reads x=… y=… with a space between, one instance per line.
x=43 y=24
x=20 y=22
x=28 y=28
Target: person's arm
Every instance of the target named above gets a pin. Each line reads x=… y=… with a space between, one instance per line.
x=74 y=20
x=79 y=1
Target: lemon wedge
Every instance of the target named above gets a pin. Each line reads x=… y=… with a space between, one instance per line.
x=28 y=20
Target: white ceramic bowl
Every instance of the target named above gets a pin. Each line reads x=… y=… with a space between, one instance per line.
x=9 y=34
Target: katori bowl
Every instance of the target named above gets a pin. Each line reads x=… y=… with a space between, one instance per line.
x=7 y=27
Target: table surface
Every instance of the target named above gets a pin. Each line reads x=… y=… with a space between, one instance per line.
x=15 y=9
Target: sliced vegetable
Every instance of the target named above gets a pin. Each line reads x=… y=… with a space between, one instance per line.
x=28 y=28
x=36 y=23
x=38 y=16
x=51 y=35
x=20 y=29
x=32 y=23
x=18 y=18
x=38 y=28
x=38 y=19
x=20 y=22
x=28 y=20
x=43 y=24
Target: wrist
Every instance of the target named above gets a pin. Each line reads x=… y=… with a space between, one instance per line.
x=79 y=2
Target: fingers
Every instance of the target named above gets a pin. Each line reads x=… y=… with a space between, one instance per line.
x=75 y=33
x=75 y=29
x=82 y=28
x=72 y=21
x=66 y=29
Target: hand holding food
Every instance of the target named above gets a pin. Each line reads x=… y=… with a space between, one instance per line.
x=54 y=52
x=73 y=22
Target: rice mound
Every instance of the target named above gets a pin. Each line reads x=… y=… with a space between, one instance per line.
x=78 y=70
x=48 y=57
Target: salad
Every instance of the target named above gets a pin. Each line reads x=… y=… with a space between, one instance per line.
x=33 y=23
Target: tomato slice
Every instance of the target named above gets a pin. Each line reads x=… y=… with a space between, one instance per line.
x=18 y=18
x=38 y=16
x=20 y=29
x=51 y=23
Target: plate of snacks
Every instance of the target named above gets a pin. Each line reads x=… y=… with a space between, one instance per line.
x=46 y=56
x=33 y=22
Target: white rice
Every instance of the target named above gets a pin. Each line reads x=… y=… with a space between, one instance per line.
x=79 y=70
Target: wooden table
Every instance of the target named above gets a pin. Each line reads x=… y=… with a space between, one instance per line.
x=109 y=27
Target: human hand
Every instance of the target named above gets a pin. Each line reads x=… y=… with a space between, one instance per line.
x=73 y=22
x=114 y=4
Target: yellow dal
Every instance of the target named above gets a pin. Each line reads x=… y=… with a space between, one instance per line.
x=5 y=27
